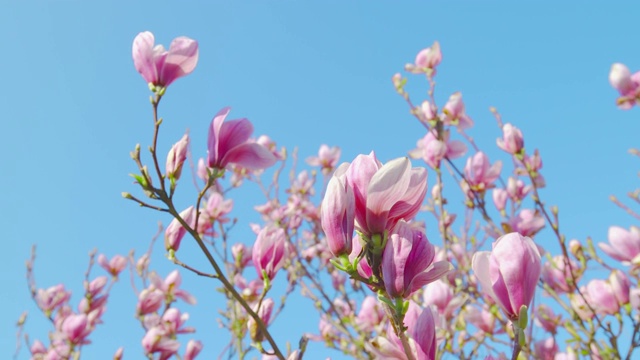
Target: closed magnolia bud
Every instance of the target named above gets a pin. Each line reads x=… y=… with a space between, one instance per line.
x=175 y=231
x=509 y=273
x=269 y=251
x=512 y=140
x=176 y=157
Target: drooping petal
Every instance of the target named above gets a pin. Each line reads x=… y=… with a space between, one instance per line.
x=251 y=156
x=181 y=59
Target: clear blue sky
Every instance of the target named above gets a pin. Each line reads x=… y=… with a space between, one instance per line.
x=72 y=106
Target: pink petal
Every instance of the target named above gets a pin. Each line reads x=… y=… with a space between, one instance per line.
x=387 y=186
x=251 y=156
x=143 y=58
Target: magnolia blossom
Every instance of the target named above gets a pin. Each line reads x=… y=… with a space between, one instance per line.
x=337 y=215
x=384 y=194
x=557 y=274
x=175 y=231
x=327 y=158
x=371 y=314
x=547 y=319
x=159 y=66
x=193 y=349
x=407 y=262
x=627 y=85
x=454 y=112
x=624 y=245
x=269 y=251
x=433 y=151
x=500 y=197
x=228 y=143
x=545 y=349
x=509 y=272
x=426 y=60
x=602 y=298
x=512 y=140
x=527 y=222
x=421 y=335
x=481 y=318
x=176 y=157
x=113 y=266
x=479 y=173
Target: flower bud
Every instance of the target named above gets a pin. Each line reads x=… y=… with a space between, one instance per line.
x=175 y=232
x=509 y=272
x=176 y=157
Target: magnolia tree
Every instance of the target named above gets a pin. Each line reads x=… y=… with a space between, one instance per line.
x=382 y=288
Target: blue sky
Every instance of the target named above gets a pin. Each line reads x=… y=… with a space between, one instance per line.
x=73 y=106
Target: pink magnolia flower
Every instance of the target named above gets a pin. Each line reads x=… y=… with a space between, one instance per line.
x=421 y=333
x=371 y=314
x=113 y=266
x=454 y=112
x=218 y=207
x=327 y=158
x=149 y=301
x=627 y=85
x=545 y=349
x=407 y=262
x=271 y=145
x=426 y=60
x=76 y=328
x=432 y=150
x=557 y=275
x=547 y=319
x=517 y=190
x=229 y=143
x=193 y=349
x=385 y=194
x=624 y=245
x=479 y=173
x=578 y=304
x=175 y=232
x=159 y=66
x=621 y=286
x=264 y=312
x=527 y=222
x=337 y=215
x=440 y=295
x=500 y=198
x=157 y=340
x=427 y=111
x=509 y=272
x=242 y=255
x=512 y=140
x=176 y=157
x=173 y=321
x=481 y=318
x=52 y=298
x=170 y=287
x=602 y=298
x=269 y=251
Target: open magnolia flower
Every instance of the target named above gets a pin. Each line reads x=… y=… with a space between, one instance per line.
x=161 y=67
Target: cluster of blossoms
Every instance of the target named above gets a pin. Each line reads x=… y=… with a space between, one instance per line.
x=162 y=322
x=365 y=234
x=71 y=329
